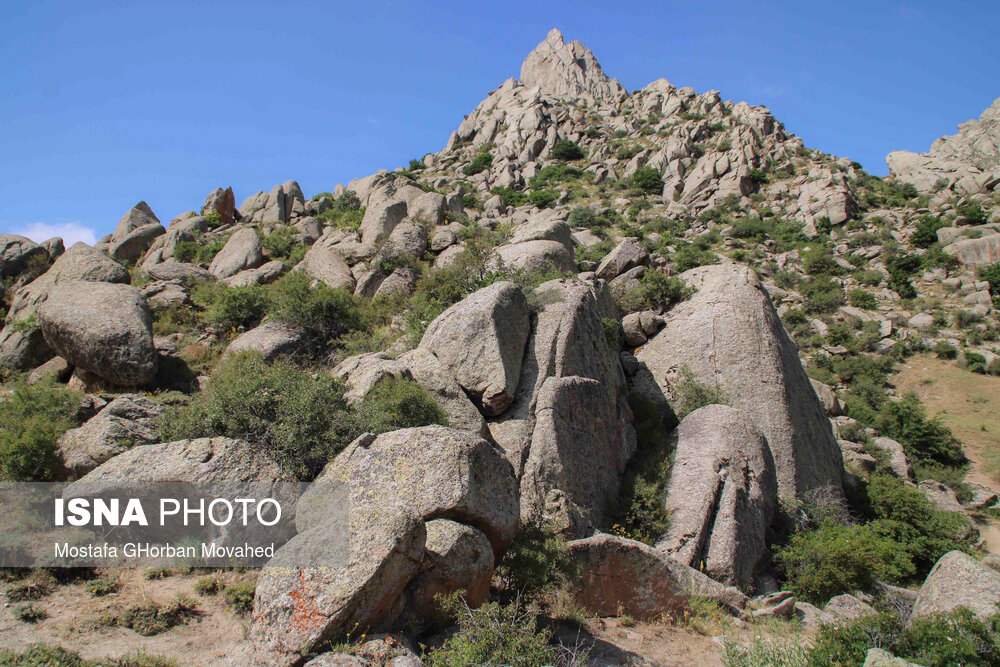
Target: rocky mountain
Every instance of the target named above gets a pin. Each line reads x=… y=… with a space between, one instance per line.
x=645 y=337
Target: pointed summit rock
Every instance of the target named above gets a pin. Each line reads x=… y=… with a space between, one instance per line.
x=567 y=70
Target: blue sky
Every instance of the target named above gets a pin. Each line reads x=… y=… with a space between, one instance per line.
x=103 y=104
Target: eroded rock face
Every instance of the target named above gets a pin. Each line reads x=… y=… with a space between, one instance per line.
x=433 y=376
x=342 y=577
x=15 y=251
x=728 y=336
x=958 y=580
x=222 y=202
x=125 y=422
x=722 y=495
x=243 y=250
x=443 y=473
x=481 y=341
x=103 y=328
x=567 y=70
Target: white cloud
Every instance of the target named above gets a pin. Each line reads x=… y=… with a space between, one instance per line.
x=71 y=232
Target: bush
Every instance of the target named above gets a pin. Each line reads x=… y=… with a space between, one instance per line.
x=299 y=418
x=691 y=256
x=29 y=612
x=656 y=291
x=494 y=634
x=322 y=313
x=564 y=149
x=647 y=179
x=543 y=198
x=924 y=440
x=481 y=162
x=47 y=655
x=973 y=214
x=860 y=298
x=901 y=266
x=642 y=513
x=537 y=561
x=974 y=362
x=397 y=403
x=833 y=559
x=237 y=308
x=846 y=644
x=926 y=233
x=690 y=394
x=582 y=216
x=763 y=653
x=209 y=586
x=945 y=350
x=239 y=596
x=102 y=586
x=32 y=417
x=152 y=618
x=823 y=294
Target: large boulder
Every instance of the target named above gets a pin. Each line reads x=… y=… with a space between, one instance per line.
x=103 y=328
x=722 y=495
x=222 y=202
x=138 y=216
x=459 y=557
x=15 y=252
x=536 y=257
x=628 y=254
x=341 y=578
x=617 y=575
x=21 y=342
x=135 y=233
x=428 y=371
x=442 y=472
x=125 y=422
x=243 y=250
x=729 y=337
x=325 y=264
x=958 y=580
x=271 y=340
x=481 y=341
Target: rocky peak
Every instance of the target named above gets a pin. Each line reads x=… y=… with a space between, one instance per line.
x=966 y=162
x=567 y=70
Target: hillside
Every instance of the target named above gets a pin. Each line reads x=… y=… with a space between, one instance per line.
x=638 y=366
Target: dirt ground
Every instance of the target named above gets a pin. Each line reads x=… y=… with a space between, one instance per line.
x=75 y=623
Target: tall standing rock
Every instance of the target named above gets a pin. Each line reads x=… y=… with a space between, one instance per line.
x=481 y=341
x=222 y=202
x=729 y=337
x=567 y=70
x=102 y=328
x=722 y=495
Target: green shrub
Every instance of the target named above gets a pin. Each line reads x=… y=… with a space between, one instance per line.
x=690 y=256
x=494 y=634
x=29 y=612
x=582 y=216
x=537 y=561
x=397 y=403
x=237 y=308
x=973 y=214
x=955 y=638
x=511 y=197
x=642 y=514
x=481 y=162
x=299 y=418
x=209 y=586
x=322 y=313
x=152 y=618
x=647 y=179
x=758 y=176
x=655 y=291
x=924 y=440
x=833 y=559
x=613 y=333
x=564 y=149
x=239 y=596
x=860 y=298
x=901 y=267
x=819 y=262
x=32 y=417
x=543 y=198
x=763 y=653
x=186 y=251
x=846 y=644
x=974 y=362
x=823 y=294
x=282 y=244
x=926 y=233
x=690 y=394
x=945 y=350
x=42 y=655
x=102 y=586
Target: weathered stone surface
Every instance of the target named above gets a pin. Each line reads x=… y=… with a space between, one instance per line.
x=976 y=252
x=829 y=399
x=56 y=367
x=428 y=371
x=103 y=328
x=325 y=264
x=722 y=495
x=243 y=250
x=626 y=255
x=131 y=246
x=481 y=341
x=203 y=460
x=877 y=657
x=138 y=216
x=428 y=209
x=941 y=497
x=402 y=281
x=958 y=580
x=443 y=472
x=263 y=274
x=577 y=447
x=728 y=336
x=15 y=252
x=847 y=607
x=343 y=577
x=459 y=557
x=174 y=270
x=617 y=574
x=536 y=256
x=362 y=372
x=567 y=70
x=271 y=339
x=125 y=422
x=22 y=345
x=898 y=462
